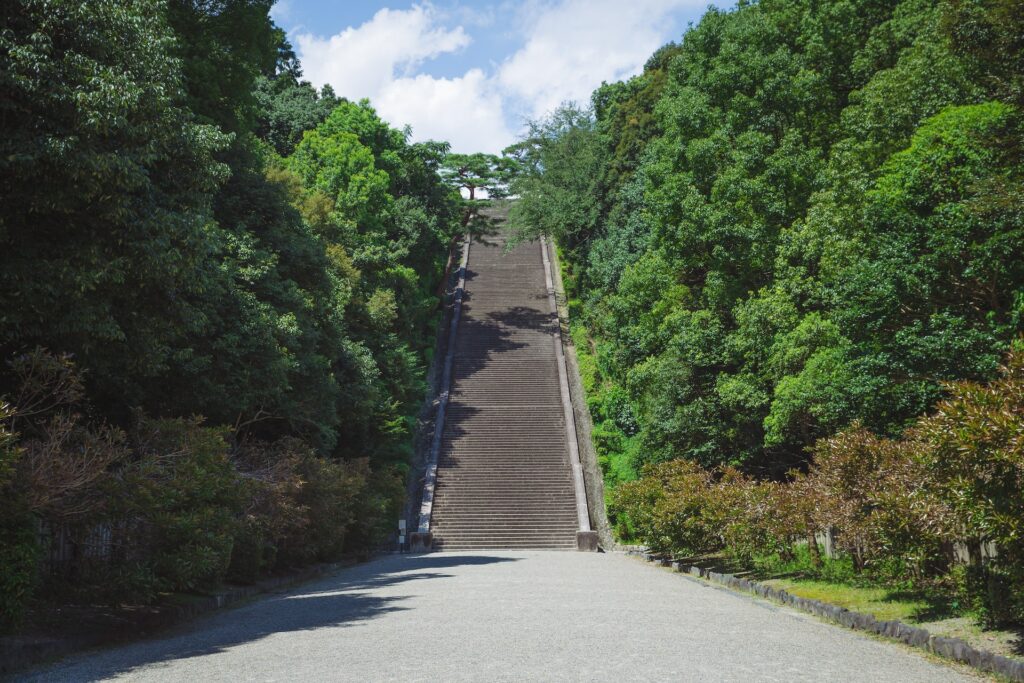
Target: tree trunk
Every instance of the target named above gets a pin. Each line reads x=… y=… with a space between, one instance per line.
x=974 y=553
x=812 y=546
x=443 y=285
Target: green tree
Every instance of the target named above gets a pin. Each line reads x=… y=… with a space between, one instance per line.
x=560 y=161
x=479 y=172
x=107 y=184
x=796 y=217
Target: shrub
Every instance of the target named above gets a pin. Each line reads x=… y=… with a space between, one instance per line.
x=18 y=544
x=273 y=513
x=878 y=497
x=171 y=506
x=185 y=501
x=742 y=509
x=65 y=470
x=329 y=493
x=796 y=508
x=19 y=571
x=894 y=506
x=63 y=464
x=378 y=506
x=668 y=508
x=53 y=472
x=974 y=446
x=301 y=507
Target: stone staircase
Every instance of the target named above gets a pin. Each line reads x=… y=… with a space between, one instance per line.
x=504 y=478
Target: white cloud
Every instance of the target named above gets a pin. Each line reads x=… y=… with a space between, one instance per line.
x=467 y=111
x=359 y=62
x=572 y=46
x=379 y=59
x=568 y=48
x=281 y=11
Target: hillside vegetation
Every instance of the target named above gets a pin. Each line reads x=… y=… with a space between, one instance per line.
x=798 y=226
x=190 y=229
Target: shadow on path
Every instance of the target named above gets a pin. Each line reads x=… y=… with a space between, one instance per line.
x=342 y=600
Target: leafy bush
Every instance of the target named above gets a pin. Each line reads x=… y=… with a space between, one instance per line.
x=301 y=507
x=894 y=507
x=330 y=494
x=18 y=544
x=273 y=514
x=378 y=506
x=185 y=502
x=172 y=505
x=54 y=471
x=876 y=495
x=974 y=448
x=19 y=568
x=669 y=508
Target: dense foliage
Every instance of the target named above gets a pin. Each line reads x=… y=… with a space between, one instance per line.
x=895 y=507
x=197 y=231
x=801 y=216
x=803 y=224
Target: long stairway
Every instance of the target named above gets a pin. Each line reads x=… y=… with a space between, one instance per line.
x=504 y=479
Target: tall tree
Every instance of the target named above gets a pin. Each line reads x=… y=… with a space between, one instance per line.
x=797 y=217
x=107 y=183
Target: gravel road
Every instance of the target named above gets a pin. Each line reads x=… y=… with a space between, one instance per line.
x=505 y=616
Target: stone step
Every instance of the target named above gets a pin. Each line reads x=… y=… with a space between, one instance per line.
x=520 y=477
x=503 y=471
x=567 y=540
x=494 y=514
x=551 y=505
x=500 y=531
x=485 y=536
x=503 y=530
x=487 y=517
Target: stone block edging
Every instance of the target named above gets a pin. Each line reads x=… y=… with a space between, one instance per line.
x=584 y=540
x=423 y=539
x=592 y=475
x=950 y=648
x=19 y=653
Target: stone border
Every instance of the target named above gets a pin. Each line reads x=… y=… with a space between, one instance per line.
x=950 y=648
x=422 y=540
x=424 y=432
x=19 y=653
x=586 y=538
x=593 y=476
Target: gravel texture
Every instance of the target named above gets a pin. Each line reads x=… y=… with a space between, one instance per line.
x=493 y=615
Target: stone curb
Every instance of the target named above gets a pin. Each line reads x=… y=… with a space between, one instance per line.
x=950 y=648
x=421 y=540
x=592 y=474
x=423 y=434
x=586 y=537
x=18 y=653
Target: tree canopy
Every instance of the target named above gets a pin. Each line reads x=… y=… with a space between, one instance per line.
x=488 y=173
x=800 y=216
x=189 y=229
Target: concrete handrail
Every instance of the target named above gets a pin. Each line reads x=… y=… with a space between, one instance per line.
x=582 y=509
x=430 y=478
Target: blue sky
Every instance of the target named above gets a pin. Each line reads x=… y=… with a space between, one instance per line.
x=472 y=72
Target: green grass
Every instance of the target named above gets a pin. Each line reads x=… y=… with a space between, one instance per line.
x=616 y=462
x=882 y=603
x=839 y=570
x=836 y=583
x=939 y=615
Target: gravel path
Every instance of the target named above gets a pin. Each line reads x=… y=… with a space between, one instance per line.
x=506 y=616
